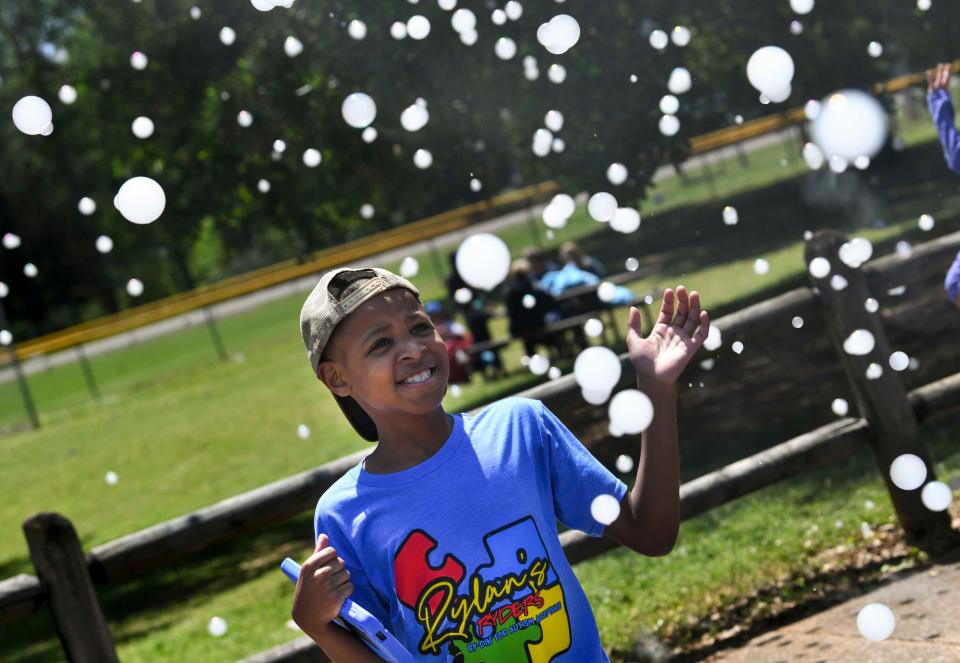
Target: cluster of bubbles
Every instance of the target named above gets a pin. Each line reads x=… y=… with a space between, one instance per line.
x=558 y=211
x=848 y=126
x=770 y=70
x=559 y=34
x=909 y=472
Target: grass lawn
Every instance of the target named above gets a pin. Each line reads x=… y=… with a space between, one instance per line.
x=183 y=430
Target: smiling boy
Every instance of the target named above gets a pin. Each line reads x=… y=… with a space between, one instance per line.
x=447 y=531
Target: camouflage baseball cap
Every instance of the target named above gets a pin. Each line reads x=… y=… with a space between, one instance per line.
x=340 y=292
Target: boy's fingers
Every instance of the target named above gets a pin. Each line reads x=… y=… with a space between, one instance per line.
x=322 y=541
x=666 y=311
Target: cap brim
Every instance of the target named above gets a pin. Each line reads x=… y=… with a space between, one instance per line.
x=358 y=418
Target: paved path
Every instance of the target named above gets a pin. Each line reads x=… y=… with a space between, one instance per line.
x=925 y=603
x=305 y=284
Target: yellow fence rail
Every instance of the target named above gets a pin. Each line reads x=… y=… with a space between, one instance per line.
x=384 y=241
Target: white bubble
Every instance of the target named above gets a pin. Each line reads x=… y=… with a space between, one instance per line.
x=505 y=48
x=625 y=220
x=6 y=338
x=292 y=46
x=936 y=496
x=617 y=173
x=860 y=342
x=924 y=5
x=4 y=290
x=529 y=301
x=876 y=622
x=369 y=135
x=925 y=222
x=499 y=17
x=463 y=295
x=398 y=30
x=11 y=241
x=840 y=407
x=139 y=61
x=601 y=206
x=730 y=215
x=227 y=36
x=801 y=6
x=559 y=34
x=414 y=118
x=475 y=184
x=359 y=110
x=761 y=266
x=770 y=70
x=195 y=12
x=455 y=390
x=908 y=471
x=553 y=120
x=554 y=373
x=87 y=206
x=422 y=159
x=669 y=104
x=30 y=270
x=631 y=410
x=797 y=322
x=597 y=368
x=903 y=249
x=279 y=146
x=624 y=464
x=463 y=20
x=737 y=347
x=367 y=211
x=819 y=267
x=604 y=509
x=32 y=115
x=217 y=626
x=539 y=364
x=669 y=125
x=140 y=200
x=631 y=264
x=856 y=252
x=311 y=158
x=303 y=431
x=593 y=327
x=811 y=109
x=851 y=124
x=899 y=360
x=557 y=73
x=680 y=80
x=871 y=305
x=134 y=287
x=680 y=35
x=67 y=94
x=142 y=127
x=542 y=142
x=714 y=339
x=104 y=244
x=244 y=118
x=606 y=291
x=595 y=396
x=357 y=29
x=263 y=186
x=514 y=10
x=483 y=261
x=111 y=478
x=813 y=156
x=659 y=39
x=838 y=164
x=418 y=27
x=409 y=267
x=838 y=282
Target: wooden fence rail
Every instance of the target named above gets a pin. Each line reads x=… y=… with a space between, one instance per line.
x=253 y=511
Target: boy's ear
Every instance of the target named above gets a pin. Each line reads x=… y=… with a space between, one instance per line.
x=330 y=374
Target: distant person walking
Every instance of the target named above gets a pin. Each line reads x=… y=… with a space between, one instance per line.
x=941 y=110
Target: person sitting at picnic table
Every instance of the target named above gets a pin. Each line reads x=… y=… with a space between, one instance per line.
x=571 y=252
x=529 y=308
x=456 y=338
x=539 y=263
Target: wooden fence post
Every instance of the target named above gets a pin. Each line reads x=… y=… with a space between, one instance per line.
x=881 y=401
x=62 y=568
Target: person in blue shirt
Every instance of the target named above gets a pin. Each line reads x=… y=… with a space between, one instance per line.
x=941 y=110
x=447 y=531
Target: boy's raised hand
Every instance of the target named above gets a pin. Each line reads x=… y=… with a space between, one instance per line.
x=323 y=586
x=672 y=342
x=938 y=79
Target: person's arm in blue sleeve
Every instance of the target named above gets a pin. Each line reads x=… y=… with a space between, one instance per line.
x=941 y=111
x=952 y=282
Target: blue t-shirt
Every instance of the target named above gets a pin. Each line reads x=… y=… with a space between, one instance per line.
x=459 y=556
